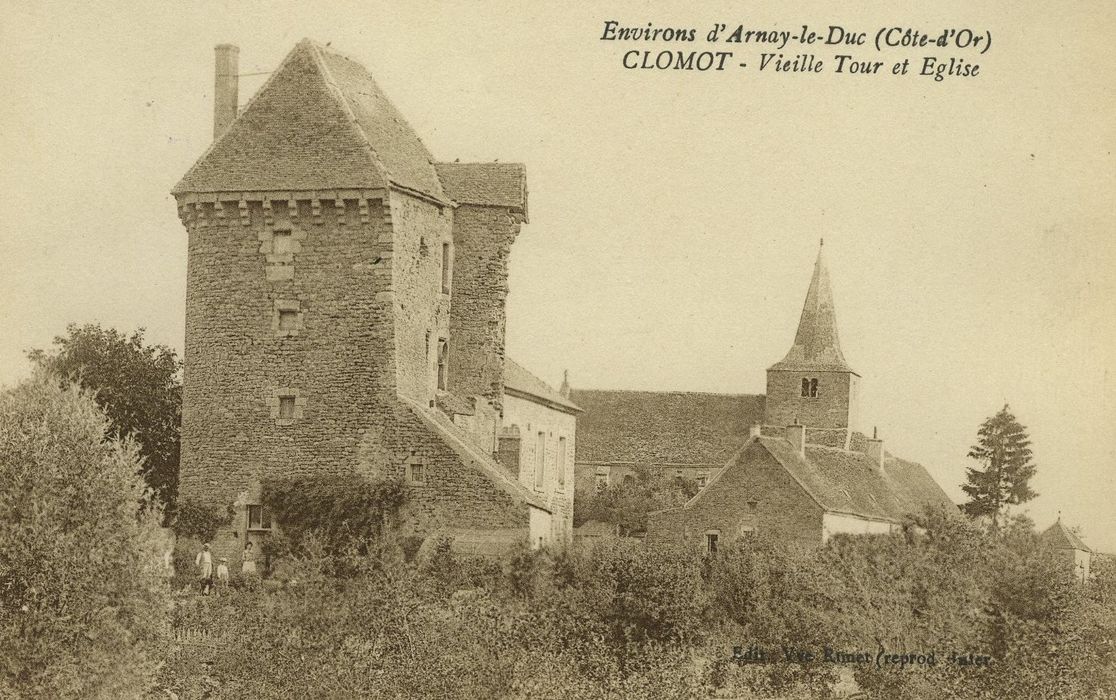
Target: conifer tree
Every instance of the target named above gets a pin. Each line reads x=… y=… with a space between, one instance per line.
x=1003 y=450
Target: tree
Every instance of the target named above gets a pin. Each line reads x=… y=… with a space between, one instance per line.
x=83 y=603
x=136 y=385
x=1004 y=452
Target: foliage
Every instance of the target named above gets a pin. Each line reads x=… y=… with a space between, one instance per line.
x=1004 y=453
x=622 y=619
x=200 y=521
x=335 y=513
x=82 y=601
x=138 y=386
x=628 y=503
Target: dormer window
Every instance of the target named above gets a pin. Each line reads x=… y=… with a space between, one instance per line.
x=809 y=388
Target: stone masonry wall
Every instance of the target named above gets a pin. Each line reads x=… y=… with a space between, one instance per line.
x=318 y=396
x=482 y=240
x=832 y=408
x=422 y=311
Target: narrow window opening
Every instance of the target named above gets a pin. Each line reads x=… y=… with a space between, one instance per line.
x=540 y=460
x=443 y=368
x=286 y=407
x=446 y=268
x=561 y=461
x=805 y=387
x=813 y=388
x=711 y=542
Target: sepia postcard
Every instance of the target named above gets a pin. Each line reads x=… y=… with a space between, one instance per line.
x=536 y=350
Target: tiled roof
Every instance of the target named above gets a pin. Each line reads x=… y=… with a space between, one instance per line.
x=816 y=345
x=660 y=427
x=844 y=481
x=320 y=122
x=1061 y=537
x=519 y=380
x=489 y=184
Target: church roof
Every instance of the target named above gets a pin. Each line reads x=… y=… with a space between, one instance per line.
x=816 y=345
x=1061 y=537
x=663 y=427
x=486 y=184
x=519 y=381
x=320 y=122
x=845 y=481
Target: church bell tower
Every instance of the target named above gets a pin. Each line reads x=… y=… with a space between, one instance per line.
x=813 y=385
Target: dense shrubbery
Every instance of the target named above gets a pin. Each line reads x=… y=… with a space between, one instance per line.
x=83 y=611
x=625 y=620
x=82 y=602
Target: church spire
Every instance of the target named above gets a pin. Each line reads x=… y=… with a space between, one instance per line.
x=816 y=344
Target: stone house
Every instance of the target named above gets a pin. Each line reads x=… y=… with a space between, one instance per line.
x=345 y=313
x=792 y=461
x=1068 y=545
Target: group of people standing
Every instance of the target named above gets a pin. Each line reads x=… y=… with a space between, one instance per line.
x=204 y=563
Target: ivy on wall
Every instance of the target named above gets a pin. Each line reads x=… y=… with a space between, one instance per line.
x=338 y=512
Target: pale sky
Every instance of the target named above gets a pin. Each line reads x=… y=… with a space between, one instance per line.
x=674 y=216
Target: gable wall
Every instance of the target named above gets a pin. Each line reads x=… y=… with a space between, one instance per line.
x=783 y=508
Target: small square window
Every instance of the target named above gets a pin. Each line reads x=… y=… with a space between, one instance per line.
x=258 y=518
x=701 y=480
x=288 y=319
x=286 y=407
x=752 y=505
x=416 y=473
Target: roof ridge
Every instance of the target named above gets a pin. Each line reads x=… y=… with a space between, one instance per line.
x=654 y=391
x=339 y=96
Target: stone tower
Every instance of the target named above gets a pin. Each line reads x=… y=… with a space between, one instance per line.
x=813 y=385
x=345 y=305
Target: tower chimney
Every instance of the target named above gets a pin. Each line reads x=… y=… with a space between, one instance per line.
x=225 y=87
x=565 y=389
x=875 y=450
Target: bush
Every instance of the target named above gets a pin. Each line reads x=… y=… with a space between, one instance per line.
x=83 y=604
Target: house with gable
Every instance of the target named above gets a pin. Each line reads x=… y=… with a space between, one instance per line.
x=345 y=314
x=1069 y=546
x=797 y=463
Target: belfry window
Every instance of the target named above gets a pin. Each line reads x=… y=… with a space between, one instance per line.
x=809 y=388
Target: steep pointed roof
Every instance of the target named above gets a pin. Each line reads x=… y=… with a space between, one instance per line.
x=320 y=122
x=1061 y=537
x=816 y=345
